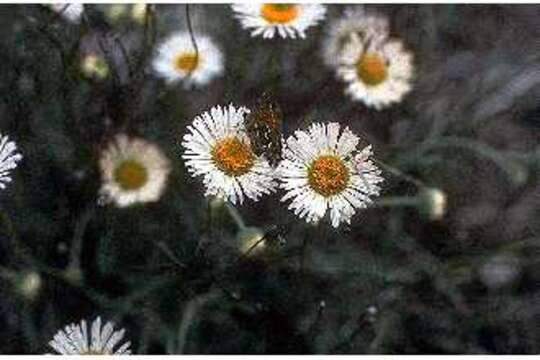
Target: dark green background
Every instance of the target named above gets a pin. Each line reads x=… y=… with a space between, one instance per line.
x=170 y=275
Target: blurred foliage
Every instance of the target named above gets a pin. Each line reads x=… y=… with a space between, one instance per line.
x=398 y=280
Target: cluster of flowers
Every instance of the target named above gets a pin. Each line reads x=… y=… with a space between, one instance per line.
x=377 y=69
x=322 y=170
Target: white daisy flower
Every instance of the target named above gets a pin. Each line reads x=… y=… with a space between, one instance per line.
x=218 y=148
x=322 y=171
x=367 y=25
x=378 y=72
x=288 y=20
x=177 y=60
x=74 y=340
x=8 y=160
x=70 y=11
x=133 y=171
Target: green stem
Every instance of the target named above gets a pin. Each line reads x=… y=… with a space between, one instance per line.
x=396 y=201
x=510 y=167
x=419 y=184
x=77 y=243
x=190 y=313
x=235 y=215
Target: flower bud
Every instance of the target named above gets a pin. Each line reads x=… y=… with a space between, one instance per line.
x=249 y=239
x=115 y=12
x=30 y=285
x=138 y=12
x=432 y=203
x=94 y=67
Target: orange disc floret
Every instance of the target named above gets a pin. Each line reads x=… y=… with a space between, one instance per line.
x=279 y=13
x=233 y=156
x=328 y=175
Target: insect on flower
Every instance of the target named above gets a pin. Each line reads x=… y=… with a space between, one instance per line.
x=264 y=128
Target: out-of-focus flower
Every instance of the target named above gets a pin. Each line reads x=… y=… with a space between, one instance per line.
x=177 y=60
x=218 y=149
x=288 y=20
x=366 y=25
x=378 y=72
x=75 y=340
x=30 y=285
x=372 y=313
x=70 y=11
x=8 y=160
x=499 y=270
x=138 y=12
x=322 y=171
x=133 y=171
x=95 y=67
x=115 y=12
x=432 y=203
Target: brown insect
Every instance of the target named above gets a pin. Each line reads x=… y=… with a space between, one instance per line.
x=264 y=127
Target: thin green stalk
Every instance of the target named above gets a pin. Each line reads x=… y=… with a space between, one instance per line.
x=419 y=184
x=235 y=215
x=190 y=312
x=395 y=201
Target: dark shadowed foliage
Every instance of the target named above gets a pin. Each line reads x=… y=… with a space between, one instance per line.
x=400 y=279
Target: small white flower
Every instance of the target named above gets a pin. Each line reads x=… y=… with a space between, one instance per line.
x=177 y=60
x=74 y=340
x=133 y=171
x=378 y=72
x=218 y=148
x=70 y=11
x=322 y=171
x=288 y=20
x=8 y=160
x=367 y=25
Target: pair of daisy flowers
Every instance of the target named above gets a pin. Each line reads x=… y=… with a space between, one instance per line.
x=378 y=70
x=177 y=60
x=321 y=171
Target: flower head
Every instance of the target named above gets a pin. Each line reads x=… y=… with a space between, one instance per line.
x=322 y=171
x=74 y=340
x=288 y=20
x=178 y=60
x=378 y=72
x=70 y=11
x=8 y=159
x=218 y=149
x=133 y=170
x=364 y=24
x=95 y=67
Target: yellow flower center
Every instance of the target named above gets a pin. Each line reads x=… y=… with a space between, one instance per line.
x=328 y=175
x=187 y=62
x=233 y=156
x=372 y=69
x=279 y=13
x=131 y=175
